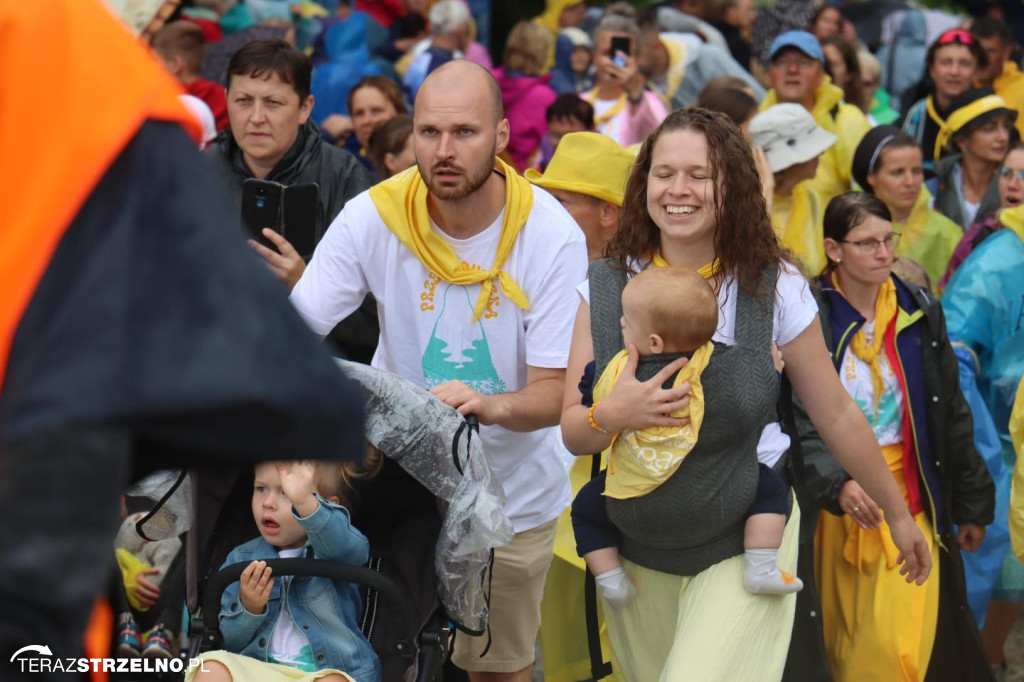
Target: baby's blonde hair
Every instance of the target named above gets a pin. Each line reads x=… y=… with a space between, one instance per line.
x=677 y=304
x=338 y=479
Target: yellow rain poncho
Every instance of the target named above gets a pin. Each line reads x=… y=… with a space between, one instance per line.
x=846 y=122
x=797 y=220
x=928 y=238
x=551 y=19
x=1017 y=493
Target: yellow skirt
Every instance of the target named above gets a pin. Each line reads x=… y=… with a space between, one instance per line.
x=707 y=627
x=243 y=669
x=877 y=627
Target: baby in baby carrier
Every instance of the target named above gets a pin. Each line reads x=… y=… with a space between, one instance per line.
x=295 y=628
x=671 y=312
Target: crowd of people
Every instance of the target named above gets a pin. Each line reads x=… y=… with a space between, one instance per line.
x=766 y=266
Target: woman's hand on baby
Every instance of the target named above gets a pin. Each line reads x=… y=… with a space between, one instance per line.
x=861 y=508
x=255 y=585
x=634 y=404
x=298 y=483
x=915 y=557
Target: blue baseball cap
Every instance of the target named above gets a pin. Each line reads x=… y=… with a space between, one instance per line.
x=801 y=40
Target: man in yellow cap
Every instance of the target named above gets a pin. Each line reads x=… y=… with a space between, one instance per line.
x=588 y=176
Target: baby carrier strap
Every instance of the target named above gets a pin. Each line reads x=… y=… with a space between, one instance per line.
x=606 y=278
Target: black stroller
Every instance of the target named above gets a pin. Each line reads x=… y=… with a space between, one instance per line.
x=402 y=514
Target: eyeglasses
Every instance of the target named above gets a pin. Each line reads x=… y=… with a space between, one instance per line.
x=869 y=246
x=1009 y=173
x=956 y=35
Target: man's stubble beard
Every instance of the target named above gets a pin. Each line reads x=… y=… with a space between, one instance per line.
x=474 y=179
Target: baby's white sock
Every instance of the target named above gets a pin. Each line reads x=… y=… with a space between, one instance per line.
x=616 y=587
x=761 y=574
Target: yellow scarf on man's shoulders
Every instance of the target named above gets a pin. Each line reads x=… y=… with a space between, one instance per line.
x=401 y=202
x=640 y=461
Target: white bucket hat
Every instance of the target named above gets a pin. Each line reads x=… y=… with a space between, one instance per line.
x=789 y=135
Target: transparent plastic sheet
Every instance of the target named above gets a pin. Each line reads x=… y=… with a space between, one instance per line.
x=416 y=430
x=174 y=516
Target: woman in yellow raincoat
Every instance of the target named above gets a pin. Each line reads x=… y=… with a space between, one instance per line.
x=792 y=143
x=888 y=163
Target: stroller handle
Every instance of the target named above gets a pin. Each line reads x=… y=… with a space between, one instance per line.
x=335 y=570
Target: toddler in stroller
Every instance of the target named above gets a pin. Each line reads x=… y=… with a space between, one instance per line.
x=298 y=628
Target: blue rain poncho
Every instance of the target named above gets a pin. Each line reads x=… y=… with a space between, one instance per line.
x=984 y=306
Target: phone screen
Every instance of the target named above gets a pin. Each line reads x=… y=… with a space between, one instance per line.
x=301 y=213
x=620 y=44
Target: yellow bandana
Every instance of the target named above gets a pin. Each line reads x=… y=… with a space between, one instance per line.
x=1013 y=219
x=885 y=314
x=646 y=458
x=707 y=271
x=401 y=202
x=619 y=105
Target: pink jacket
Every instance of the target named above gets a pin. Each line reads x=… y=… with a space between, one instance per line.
x=629 y=126
x=526 y=100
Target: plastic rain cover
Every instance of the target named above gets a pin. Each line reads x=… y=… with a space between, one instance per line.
x=416 y=430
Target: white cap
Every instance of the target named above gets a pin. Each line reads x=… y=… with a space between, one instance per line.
x=789 y=135
x=202 y=113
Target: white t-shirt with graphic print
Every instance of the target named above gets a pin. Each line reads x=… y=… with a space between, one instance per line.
x=427 y=334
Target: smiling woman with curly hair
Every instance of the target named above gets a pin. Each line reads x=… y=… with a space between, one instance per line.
x=694 y=200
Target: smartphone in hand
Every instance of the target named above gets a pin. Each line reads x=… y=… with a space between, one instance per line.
x=262 y=206
x=620 y=47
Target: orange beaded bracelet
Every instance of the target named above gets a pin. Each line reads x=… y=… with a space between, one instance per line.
x=592 y=421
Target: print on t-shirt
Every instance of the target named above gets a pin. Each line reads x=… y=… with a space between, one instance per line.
x=458 y=347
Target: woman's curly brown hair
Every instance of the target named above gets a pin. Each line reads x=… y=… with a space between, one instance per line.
x=744 y=239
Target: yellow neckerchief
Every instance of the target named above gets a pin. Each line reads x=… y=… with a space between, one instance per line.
x=401 y=202
x=962 y=117
x=646 y=458
x=797 y=222
x=1013 y=220
x=707 y=271
x=616 y=108
x=885 y=314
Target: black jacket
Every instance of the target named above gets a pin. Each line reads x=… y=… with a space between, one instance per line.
x=311 y=159
x=340 y=176
x=947 y=198
x=954 y=475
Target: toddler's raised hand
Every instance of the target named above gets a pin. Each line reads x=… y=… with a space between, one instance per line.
x=255 y=585
x=298 y=482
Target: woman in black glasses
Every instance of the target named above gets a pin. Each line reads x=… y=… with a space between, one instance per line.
x=888 y=342
x=888 y=163
x=1011 y=194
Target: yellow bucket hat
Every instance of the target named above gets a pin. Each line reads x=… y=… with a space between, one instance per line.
x=587 y=163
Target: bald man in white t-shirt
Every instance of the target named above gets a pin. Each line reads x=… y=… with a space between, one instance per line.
x=501 y=356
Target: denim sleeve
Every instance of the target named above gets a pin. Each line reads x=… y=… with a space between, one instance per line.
x=332 y=535
x=238 y=626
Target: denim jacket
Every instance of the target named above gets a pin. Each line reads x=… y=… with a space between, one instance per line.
x=327 y=612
